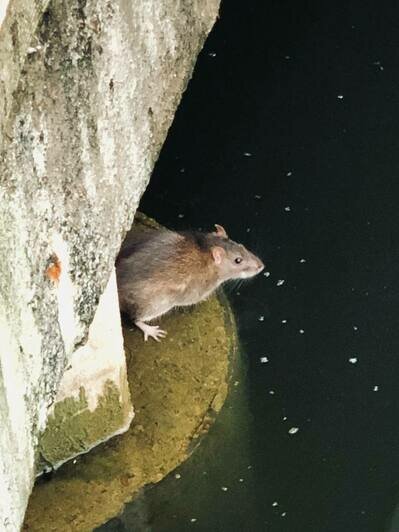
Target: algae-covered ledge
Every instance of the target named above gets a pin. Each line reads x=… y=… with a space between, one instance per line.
x=177 y=388
x=73 y=427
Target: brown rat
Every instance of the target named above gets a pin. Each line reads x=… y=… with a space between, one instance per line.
x=163 y=269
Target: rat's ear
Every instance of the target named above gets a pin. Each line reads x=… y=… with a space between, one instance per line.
x=218 y=253
x=220 y=231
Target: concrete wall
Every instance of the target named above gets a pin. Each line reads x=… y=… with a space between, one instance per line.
x=3 y=10
x=93 y=400
x=88 y=89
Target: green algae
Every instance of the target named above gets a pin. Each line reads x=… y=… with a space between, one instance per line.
x=73 y=427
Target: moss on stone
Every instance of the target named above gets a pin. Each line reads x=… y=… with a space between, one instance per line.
x=73 y=428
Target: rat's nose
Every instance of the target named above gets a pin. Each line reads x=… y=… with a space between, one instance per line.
x=260 y=265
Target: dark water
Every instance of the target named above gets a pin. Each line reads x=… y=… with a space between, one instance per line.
x=311 y=91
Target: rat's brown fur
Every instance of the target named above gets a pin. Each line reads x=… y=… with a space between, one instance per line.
x=162 y=269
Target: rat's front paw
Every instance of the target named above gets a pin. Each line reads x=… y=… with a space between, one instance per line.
x=151 y=331
x=154 y=332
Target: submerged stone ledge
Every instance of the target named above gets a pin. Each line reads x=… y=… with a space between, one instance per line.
x=177 y=387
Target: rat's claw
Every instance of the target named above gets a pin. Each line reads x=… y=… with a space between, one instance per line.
x=156 y=333
x=151 y=331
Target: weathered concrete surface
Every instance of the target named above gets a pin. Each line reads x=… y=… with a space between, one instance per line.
x=87 y=92
x=18 y=22
x=3 y=10
x=93 y=400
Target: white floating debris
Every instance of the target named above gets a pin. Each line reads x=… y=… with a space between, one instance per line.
x=302 y=261
x=283 y=514
x=287 y=57
x=247 y=154
x=376 y=388
x=353 y=360
x=285 y=418
x=293 y=430
x=287 y=208
x=180 y=215
x=271 y=392
x=236 y=383
x=261 y=318
x=340 y=96
x=267 y=274
x=301 y=331
x=280 y=282
x=264 y=360
x=283 y=321
x=355 y=328
x=241 y=479
x=248 y=229
x=212 y=54
x=288 y=174
x=274 y=504
x=177 y=476
x=74 y=461
x=224 y=488
x=258 y=196
x=193 y=519
x=182 y=170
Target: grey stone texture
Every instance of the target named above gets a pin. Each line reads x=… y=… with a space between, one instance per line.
x=88 y=89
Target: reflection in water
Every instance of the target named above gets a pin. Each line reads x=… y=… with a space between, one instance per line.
x=134 y=518
x=215 y=481
x=394 y=524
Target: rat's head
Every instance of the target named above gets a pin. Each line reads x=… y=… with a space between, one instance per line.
x=233 y=260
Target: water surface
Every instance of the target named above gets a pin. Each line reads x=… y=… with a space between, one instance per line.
x=288 y=135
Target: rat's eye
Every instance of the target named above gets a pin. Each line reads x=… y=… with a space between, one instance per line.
x=238 y=260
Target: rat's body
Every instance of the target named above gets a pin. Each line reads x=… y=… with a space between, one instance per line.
x=162 y=269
